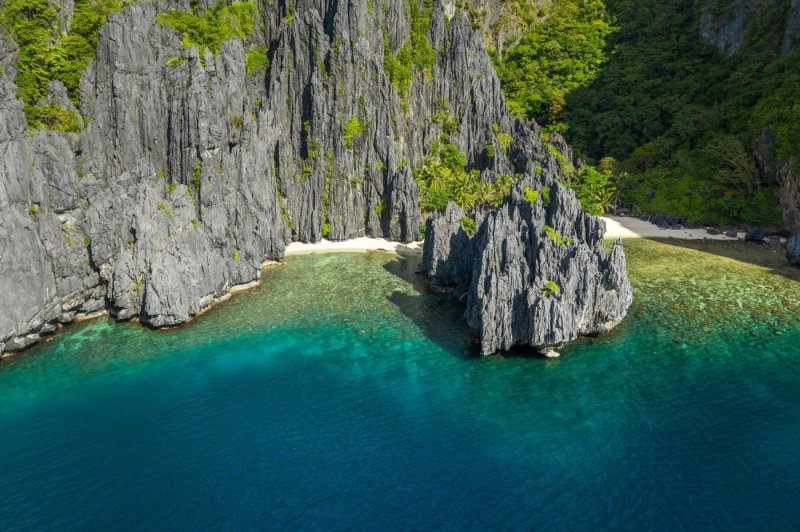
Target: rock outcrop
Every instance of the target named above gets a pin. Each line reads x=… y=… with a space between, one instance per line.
x=793 y=249
x=190 y=171
x=535 y=273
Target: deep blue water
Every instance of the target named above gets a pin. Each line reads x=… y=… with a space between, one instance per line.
x=341 y=395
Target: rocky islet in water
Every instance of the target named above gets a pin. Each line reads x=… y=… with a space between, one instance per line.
x=535 y=273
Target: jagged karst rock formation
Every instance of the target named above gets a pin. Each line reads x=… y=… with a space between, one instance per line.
x=535 y=273
x=189 y=173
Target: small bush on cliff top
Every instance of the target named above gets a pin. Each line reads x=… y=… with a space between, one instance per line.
x=54 y=117
x=255 y=59
x=555 y=237
x=530 y=195
x=552 y=288
x=546 y=196
x=469 y=226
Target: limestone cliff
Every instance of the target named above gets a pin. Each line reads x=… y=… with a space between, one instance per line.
x=190 y=172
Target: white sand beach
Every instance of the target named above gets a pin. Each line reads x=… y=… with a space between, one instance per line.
x=616 y=227
x=628 y=227
x=353 y=245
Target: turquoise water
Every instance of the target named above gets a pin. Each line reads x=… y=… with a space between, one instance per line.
x=341 y=395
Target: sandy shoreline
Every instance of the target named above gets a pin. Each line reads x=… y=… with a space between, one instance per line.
x=628 y=227
x=616 y=227
x=353 y=245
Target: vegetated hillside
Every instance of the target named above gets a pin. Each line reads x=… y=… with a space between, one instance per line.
x=542 y=50
x=696 y=100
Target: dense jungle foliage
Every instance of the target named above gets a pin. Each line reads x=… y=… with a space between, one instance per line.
x=634 y=81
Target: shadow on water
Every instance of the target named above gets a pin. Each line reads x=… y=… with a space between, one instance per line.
x=720 y=273
x=440 y=316
x=764 y=255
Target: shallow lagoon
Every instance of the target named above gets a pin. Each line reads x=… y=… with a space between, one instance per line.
x=340 y=394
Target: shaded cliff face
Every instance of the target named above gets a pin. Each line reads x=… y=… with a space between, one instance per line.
x=749 y=26
x=734 y=25
x=190 y=173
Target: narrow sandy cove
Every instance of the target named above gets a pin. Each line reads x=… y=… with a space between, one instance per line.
x=355 y=245
x=627 y=227
x=616 y=227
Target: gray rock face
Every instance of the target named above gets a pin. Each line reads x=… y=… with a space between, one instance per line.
x=770 y=168
x=726 y=30
x=446 y=251
x=534 y=274
x=793 y=249
x=190 y=173
x=788 y=195
x=727 y=24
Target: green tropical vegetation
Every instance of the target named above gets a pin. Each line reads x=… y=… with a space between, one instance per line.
x=685 y=119
x=560 y=50
x=417 y=53
x=555 y=237
x=549 y=51
x=595 y=189
x=207 y=30
x=53 y=116
x=255 y=60
x=443 y=177
x=469 y=225
x=546 y=196
x=47 y=52
x=353 y=129
x=530 y=195
x=551 y=288
x=634 y=81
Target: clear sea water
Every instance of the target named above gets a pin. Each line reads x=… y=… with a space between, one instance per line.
x=341 y=395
